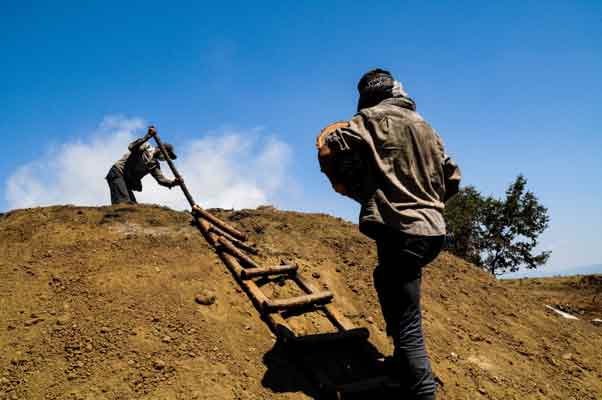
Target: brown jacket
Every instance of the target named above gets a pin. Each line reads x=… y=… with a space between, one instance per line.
x=403 y=176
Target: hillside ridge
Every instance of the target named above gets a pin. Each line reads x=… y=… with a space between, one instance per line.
x=101 y=303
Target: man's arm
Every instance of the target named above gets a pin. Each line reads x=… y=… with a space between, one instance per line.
x=347 y=139
x=161 y=179
x=452 y=174
x=451 y=171
x=141 y=143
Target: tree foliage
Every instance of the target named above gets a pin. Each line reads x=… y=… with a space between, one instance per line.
x=498 y=235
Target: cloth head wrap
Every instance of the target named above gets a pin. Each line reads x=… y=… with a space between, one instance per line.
x=377 y=85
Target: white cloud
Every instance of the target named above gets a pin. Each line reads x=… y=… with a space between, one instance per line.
x=232 y=169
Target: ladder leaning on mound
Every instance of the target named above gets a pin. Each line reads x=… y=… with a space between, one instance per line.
x=229 y=243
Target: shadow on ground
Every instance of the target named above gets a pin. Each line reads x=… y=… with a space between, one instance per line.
x=318 y=371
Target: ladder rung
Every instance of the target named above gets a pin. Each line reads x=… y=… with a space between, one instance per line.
x=299 y=301
x=250 y=273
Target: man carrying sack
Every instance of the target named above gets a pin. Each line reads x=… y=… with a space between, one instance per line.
x=390 y=160
x=126 y=175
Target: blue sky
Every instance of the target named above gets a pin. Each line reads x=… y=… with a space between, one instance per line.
x=513 y=87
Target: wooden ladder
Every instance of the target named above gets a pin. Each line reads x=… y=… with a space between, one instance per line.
x=230 y=245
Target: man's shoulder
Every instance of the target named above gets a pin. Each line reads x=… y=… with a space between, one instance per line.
x=377 y=112
x=390 y=109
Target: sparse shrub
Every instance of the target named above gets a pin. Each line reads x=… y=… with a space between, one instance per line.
x=498 y=235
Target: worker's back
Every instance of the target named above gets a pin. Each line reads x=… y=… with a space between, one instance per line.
x=407 y=171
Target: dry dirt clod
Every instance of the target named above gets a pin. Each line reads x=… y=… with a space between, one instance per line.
x=205 y=298
x=316 y=275
x=33 y=321
x=158 y=364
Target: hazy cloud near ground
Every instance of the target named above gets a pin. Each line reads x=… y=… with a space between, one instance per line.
x=229 y=169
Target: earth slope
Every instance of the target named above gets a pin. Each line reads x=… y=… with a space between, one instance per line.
x=99 y=303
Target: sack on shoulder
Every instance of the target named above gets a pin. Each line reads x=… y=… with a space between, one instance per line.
x=329 y=161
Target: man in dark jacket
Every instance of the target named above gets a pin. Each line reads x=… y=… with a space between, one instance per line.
x=126 y=175
x=390 y=160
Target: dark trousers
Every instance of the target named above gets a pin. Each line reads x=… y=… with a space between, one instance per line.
x=397 y=281
x=120 y=191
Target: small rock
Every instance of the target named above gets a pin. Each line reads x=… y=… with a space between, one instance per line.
x=370 y=320
x=104 y=329
x=158 y=363
x=205 y=298
x=4 y=381
x=10 y=327
x=166 y=339
x=316 y=275
x=33 y=321
x=482 y=390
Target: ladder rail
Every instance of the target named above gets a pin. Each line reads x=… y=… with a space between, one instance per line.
x=227 y=239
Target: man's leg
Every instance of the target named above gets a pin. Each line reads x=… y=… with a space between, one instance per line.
x=132 y=196
x=397 y=280
x=120 y=193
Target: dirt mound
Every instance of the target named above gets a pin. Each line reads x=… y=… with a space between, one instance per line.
x=131 y=303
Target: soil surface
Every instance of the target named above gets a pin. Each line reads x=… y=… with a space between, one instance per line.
x=131 y=303
x=580 y=295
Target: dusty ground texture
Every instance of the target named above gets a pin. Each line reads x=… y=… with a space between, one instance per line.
x=104 y=303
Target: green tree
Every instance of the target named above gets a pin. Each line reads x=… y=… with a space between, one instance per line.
x=498 y=235
x=463 y=216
